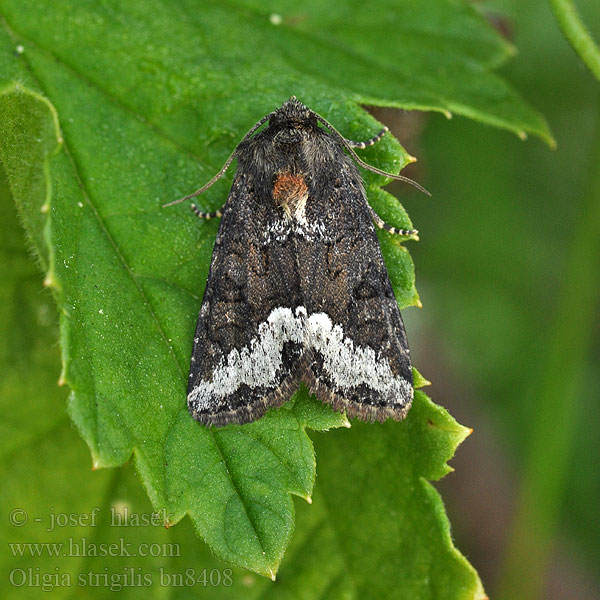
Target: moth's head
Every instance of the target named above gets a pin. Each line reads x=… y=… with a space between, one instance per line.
x=293 y=115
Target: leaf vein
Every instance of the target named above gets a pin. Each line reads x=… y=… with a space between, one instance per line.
x=96 y=85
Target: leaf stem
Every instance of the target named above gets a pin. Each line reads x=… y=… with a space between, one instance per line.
x=576 y=34
x=557 y=407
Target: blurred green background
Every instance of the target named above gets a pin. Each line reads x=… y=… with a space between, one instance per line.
x=493 y=267
x=497 y=261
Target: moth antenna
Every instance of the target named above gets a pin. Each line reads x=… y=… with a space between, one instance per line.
x=383 y=225
x=207 y=215
x=225 y=166
x=347 y=144
x=207 y=185
x=370 y=142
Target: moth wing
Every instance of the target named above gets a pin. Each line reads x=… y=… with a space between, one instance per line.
x=361 y=360
x=247 y=353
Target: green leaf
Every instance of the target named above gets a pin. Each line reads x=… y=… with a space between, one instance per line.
x=236 y=482
x=375 y=529
x=388 y=520
x=151 y=97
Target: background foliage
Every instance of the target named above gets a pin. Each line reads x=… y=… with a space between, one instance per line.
x=505 y=250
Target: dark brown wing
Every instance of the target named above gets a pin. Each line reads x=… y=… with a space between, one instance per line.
x=361 y=360
x=248 y=343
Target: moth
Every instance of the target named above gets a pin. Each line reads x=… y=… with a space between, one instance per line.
x=297 y=290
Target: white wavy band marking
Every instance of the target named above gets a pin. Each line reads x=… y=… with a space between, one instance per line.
x=258 y=364
x=281 y=229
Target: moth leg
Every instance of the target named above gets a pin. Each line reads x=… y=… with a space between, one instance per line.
x=369 y=142
x=383 y=225
x=207 y=215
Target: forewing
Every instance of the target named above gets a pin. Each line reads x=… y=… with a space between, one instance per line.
x=361 y=360
x=247 y=347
